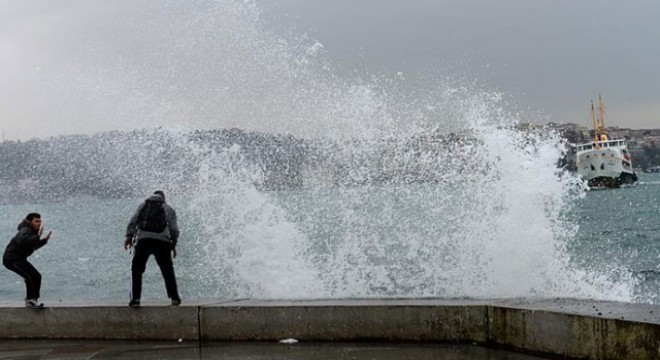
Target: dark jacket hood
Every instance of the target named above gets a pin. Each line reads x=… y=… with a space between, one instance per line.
x=156 y=197
x=24 y=224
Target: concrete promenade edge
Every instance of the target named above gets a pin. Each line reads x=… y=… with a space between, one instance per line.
x=570 y=328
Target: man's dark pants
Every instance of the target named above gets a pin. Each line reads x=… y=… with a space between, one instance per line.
x=31 y=276
x=161 y=250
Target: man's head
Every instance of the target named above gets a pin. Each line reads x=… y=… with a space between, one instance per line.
x=161 y=193
x=34 y=220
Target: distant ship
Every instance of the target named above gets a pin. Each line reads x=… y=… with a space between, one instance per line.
x=604 y=163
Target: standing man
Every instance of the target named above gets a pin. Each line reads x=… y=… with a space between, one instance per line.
x=22 y=245
x=153 y=230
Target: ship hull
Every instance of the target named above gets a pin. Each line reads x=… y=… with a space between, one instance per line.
x=612 y=182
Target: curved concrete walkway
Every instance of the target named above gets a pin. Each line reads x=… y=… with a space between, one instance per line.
x=559 y=327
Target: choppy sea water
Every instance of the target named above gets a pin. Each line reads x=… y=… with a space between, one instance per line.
x=370 y=241
x=619 y=234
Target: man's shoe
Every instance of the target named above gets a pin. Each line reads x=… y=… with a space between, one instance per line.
x=33 y=303
x=176 y=302
x=134 y=303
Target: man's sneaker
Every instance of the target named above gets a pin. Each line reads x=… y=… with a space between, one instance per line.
x=33 y=303
x=134 y=303
x=176 y=302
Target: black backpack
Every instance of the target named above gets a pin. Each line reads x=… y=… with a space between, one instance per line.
x=152 y=217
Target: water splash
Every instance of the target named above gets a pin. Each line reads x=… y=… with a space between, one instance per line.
x=388 y=204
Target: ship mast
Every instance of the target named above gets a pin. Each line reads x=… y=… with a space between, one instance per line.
x=593 y=117
x=601 y=112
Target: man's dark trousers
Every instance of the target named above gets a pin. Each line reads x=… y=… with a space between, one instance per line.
x=161 y=250
x=31 y=276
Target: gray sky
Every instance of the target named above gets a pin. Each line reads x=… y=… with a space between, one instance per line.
x=552 y=55
x=79 y=66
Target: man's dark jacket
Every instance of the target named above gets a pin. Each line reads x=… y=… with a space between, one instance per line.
x=171 y=233
x=23 y=244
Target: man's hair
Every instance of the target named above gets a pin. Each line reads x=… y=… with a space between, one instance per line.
x=32 y=216
x=161 y=193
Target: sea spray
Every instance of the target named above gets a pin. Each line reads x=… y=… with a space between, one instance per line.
x=244 y=244
x=376 y=187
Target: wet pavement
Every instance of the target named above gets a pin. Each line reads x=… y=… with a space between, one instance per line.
x=643 y=313
x=107 y=350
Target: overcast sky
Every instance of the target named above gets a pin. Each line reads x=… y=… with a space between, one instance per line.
x=551 y=56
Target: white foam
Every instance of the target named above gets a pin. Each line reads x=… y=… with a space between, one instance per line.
x=489 y=219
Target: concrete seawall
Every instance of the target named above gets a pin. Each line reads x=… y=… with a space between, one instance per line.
x=561 y=327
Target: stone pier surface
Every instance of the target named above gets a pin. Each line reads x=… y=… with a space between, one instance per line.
x=580 y=329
